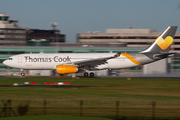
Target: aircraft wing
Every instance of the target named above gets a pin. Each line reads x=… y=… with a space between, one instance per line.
x=94 y=62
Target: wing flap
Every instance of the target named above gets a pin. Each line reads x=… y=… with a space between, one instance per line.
x=94 y=62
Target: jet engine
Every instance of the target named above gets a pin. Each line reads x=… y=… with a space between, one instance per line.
x=66 y=69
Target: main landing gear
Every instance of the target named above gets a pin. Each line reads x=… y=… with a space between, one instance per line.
x=86 y=74
x=22 y=74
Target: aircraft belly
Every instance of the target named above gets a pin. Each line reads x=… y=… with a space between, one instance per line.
x=103 y=66
x=36 y=66
x=120 y=63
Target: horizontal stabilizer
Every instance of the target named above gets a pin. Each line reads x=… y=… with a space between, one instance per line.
x=162 y=55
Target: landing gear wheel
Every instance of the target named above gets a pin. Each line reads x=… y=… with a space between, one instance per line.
x=22 y=74
x=91 y=74
x=61 y=75
x=85 y=74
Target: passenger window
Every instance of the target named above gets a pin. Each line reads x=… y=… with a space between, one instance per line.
x=10 y=58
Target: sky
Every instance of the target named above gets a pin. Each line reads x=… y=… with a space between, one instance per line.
x=80 y=16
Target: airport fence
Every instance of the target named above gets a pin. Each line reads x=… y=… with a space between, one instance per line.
x=111 y=109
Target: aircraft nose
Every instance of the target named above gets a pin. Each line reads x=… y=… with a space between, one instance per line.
x=5 y=62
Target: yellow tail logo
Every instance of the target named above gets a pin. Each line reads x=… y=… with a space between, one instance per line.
x=164 y=43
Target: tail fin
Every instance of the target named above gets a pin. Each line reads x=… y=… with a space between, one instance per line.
x=163 y=42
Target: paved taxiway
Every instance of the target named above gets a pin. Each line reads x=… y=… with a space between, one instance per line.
x=168 y=75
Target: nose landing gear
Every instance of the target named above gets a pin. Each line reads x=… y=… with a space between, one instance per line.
x=22 y=74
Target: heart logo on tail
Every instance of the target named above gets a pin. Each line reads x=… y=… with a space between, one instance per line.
x=164 y=43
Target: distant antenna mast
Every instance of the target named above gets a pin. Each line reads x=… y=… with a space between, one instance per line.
x=56 y=32
x=131 y=26
x=54 y=25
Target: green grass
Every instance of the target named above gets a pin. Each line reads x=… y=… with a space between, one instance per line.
x=99 y=89
x=52 y=117
x=102 y=93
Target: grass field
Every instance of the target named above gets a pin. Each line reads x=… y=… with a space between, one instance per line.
x=136 y=93
x=53 y=117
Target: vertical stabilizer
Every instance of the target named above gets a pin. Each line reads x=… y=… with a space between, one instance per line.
x=163 y=42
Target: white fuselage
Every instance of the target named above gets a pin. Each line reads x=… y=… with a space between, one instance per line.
x=50 y=61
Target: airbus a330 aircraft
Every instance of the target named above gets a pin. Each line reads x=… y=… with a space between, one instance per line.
x=67 y=63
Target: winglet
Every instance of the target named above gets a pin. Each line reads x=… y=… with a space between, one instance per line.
x=117 y=54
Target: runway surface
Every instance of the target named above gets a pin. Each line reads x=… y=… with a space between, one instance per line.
x=168 y=75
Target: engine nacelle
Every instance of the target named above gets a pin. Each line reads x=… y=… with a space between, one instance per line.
x=66 y=69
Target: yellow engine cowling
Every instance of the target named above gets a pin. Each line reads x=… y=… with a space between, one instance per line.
x=66 y=69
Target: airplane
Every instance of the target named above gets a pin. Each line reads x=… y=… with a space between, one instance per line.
x=68 y=63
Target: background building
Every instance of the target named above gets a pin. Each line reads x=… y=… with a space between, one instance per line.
x=50 y=35
x=12 y=34
x=132 y=38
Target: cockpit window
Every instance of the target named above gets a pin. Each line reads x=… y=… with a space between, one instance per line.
x=9 y=58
